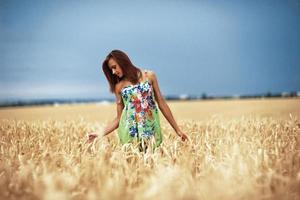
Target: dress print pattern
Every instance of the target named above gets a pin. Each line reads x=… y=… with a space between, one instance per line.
x=140 y=118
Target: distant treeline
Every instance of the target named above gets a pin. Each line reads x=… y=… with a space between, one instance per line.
x=204 y=96
x=45 y=102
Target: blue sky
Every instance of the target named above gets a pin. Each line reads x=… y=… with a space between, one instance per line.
x=54 y=49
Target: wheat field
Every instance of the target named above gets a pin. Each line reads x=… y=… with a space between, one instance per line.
x=238 y=149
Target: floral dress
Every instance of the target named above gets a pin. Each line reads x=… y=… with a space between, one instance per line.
x=139 y=119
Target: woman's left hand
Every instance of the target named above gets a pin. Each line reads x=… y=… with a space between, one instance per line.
x=183 y=136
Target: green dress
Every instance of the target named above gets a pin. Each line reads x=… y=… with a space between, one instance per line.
x=139 y=119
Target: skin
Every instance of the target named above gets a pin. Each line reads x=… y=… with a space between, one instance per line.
x=163 y=106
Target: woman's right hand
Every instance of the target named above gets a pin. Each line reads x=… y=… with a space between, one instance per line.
x=91 y=137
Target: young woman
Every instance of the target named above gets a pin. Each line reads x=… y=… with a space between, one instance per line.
x=137 y=92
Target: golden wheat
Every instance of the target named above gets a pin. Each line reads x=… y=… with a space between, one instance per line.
x=238 y=158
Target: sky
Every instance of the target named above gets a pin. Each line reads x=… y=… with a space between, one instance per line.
x=55 y=49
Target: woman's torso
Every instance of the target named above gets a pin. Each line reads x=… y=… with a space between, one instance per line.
x=139 y=117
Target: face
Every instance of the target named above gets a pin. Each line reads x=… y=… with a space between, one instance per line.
x=115 y=68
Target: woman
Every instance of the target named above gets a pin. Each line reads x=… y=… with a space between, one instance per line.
x=136 y=91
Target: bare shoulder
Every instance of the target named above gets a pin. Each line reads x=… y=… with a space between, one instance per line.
x=119 y=87
x=151 y=75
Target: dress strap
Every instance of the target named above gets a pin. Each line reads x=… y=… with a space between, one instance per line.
x=146 y=74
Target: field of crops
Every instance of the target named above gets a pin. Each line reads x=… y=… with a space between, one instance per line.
x=239 y=149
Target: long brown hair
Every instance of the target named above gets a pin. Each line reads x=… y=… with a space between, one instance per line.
x=131 y=72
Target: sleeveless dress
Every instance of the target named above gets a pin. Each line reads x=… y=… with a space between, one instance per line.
x=139 y=119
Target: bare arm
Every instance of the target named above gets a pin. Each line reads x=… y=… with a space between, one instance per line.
x=115 y=123
x=164 y=108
